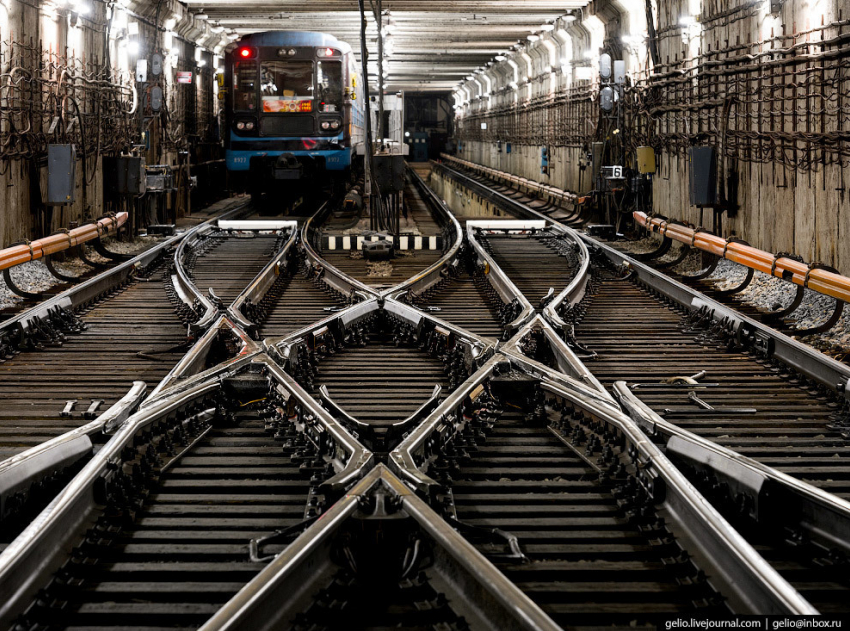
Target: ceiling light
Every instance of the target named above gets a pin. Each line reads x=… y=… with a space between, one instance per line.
x=548 y=27
x=500 y=57
x=202 y=16
x=533 y=37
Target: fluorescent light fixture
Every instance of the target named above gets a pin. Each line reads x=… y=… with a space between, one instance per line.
x=202 y=16
x=548 y=27
x=533 y=37
x=500 y=57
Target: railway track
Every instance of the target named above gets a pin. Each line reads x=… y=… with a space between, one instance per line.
x=459 y=484
x=88 y=356
x=751 y=404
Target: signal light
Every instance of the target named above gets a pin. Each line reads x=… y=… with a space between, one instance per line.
x=326 y=52
x=246 y=53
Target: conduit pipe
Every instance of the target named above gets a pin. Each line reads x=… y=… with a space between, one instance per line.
x=819 y=280
x=26 y=252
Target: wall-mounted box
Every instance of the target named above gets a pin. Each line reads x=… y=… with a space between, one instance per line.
x=702 y=173
x=645 y=160
x=61 y=174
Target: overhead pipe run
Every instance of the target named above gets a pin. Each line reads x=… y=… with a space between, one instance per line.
x=814 y=277
x=26 y=252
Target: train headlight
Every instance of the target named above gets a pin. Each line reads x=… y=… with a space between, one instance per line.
x=249 y=125
x=326 y=125
x=240 y=125
x=335 y=125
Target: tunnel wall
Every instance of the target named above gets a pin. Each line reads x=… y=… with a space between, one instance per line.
x=68 y=78
x=766 y=90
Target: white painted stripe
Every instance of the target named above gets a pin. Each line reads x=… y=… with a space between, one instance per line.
x=346 y=243
x=402 y=242
x=359 y=243
x=432 y=243
x=417 y=243
x=331 y=243
x=374 y=239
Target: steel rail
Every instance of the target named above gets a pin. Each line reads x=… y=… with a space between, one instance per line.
x=359 y=459
x=97 y=285
x=576 y=288
x=568 y=363
x=41 y=548
x=758 y=585
x=749 y=332
x=423 y=280
x=819 y=513
x=497 y=277
x=264 y=279
x=191 y=364
x=34 y=250
x=330 y=274
x=407 y=458
x=797 y=355
x=287 y=582
x=552 y=192
x=21 y=471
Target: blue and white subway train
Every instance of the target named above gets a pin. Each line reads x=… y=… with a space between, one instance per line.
x=293 y=112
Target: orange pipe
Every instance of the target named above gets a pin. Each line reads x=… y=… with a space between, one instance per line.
x=819 y=280
x=17 y=254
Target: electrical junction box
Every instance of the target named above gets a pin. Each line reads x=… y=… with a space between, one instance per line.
x=605 y=66
x=389 y=172
x=606 y=98
x=646 y=160
x=61 y=174
x=156 y=64
x=156 y=98
x=619 y=71
x=132 y=179
x=702 y=171
x=142 y=70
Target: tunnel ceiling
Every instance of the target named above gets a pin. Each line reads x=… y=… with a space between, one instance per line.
x=435 y=44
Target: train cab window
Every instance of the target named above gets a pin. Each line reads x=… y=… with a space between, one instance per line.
x=245 y=86
x=286 y=86
x=329 y=82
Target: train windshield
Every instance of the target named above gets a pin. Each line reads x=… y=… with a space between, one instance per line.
x=287 y=86
x=245 y=86
x=329 y=81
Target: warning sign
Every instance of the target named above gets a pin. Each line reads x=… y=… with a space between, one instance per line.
x=184 y=77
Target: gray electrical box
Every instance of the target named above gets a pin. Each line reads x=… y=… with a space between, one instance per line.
x=619 y=71
x=702 y=172
x=156 y=64
x=136 y=176
x=605 y=66
x=61 y=174
x=606 y=98
x=156 y=98
x=389 y=172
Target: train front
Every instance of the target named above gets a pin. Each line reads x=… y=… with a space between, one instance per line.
x=288 y=111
